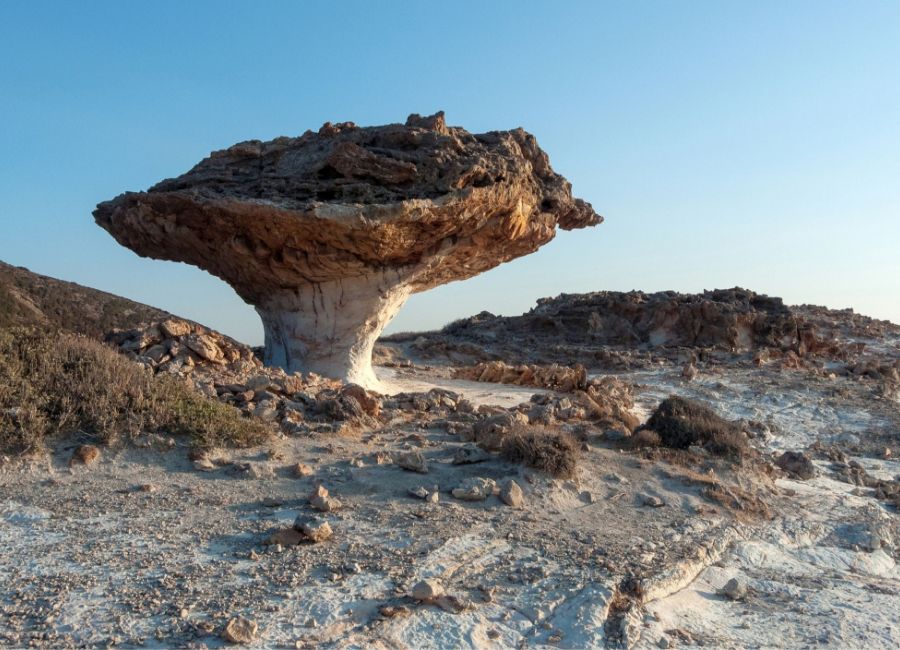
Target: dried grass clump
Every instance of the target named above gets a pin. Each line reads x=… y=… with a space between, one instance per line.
x=57 y=383
x=645 y=438
x=554 y=452
x=680 y=423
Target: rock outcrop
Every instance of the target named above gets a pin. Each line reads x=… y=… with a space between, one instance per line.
x=328 y=234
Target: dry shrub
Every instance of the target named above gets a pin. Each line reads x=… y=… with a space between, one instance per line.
x=554 y=452
x=681 y=422
x=57 y=383
x=645 y=438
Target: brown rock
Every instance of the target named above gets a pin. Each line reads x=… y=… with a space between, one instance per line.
x=351 y=220
x=511 y=494
x=240 y=630
x=302 y=470
x=173 y=328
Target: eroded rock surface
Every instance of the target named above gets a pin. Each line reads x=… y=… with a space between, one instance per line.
x=328 y=234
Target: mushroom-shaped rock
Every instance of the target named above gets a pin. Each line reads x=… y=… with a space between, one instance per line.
x=328 y=234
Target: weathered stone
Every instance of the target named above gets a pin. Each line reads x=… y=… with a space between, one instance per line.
x=301 y=470
x=468 y=454
x=205 y=347
x=328 y=234
x=174 y=328
x=427 y=589
x=315 y=529
x=241 y=630
x=412 y=461
x=511 y=494
x=490 y=432
x=474 y=489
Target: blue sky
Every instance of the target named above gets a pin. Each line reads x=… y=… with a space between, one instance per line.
x=753 y=144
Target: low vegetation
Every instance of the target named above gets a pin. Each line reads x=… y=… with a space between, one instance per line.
x=54 y=384
x=554 y=452
x=680 y=423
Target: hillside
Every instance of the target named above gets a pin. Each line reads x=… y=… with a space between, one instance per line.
x=28 y=299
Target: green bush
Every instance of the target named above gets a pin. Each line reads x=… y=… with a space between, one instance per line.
x=53 y=384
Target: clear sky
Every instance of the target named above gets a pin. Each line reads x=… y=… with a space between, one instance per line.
x=726 y=143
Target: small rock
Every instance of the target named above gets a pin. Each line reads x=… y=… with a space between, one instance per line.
x=322 y=501
x=469 y=453
x=302 y=470
x=511 y=494
x=419 y=492
x=316 y=529
x=241 y=630
x=427 y=590
x=412 y=461
x=474 y=489
x=85 y=455
x=663 y=642
x=734 y=589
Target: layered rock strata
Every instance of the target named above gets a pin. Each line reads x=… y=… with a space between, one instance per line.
x=328 y=234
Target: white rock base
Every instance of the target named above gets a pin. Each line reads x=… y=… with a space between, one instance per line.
x=330 y=328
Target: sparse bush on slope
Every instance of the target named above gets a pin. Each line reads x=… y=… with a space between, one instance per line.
x=680 y=423
x=57 y=383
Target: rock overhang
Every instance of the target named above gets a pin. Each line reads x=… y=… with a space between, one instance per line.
x=394 y=209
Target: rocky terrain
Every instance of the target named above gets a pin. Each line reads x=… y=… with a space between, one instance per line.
x=520 y=482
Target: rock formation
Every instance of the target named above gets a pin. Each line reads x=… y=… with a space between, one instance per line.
x=328 y=234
